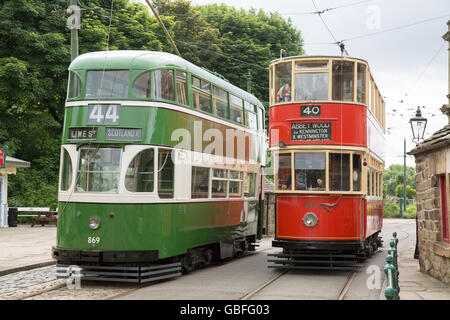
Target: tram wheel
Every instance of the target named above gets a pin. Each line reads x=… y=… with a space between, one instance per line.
x=187 y=262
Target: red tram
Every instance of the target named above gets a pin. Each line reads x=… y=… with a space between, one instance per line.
x=327 y=124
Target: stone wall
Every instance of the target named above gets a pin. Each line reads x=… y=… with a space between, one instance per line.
x=434 y=255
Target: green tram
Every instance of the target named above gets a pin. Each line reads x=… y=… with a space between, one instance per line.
x=161 y=166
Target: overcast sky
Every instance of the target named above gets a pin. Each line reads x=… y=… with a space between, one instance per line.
x=409 y=64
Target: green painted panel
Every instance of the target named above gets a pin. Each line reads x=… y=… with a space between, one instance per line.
x=170 y=228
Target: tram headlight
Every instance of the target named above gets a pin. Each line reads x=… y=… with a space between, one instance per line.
x=310 y=219
x=94 y=223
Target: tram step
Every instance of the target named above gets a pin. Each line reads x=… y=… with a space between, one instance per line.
x=303 y=255
x=350 y=268
x=141 y=274
x=320 y=262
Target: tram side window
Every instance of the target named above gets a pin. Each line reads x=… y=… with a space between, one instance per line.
x=357 y=169
x=220 y=102
x=250 y=115
x=200 y=182
x=181 y=87
x=260 y=119
x=236 y=112
x=74 y=85
x=139 y=176
x=66 y=176
x=283 y=80
x=343 y=80
x=165 y=174
x=201 y=92
x=249 y=185
x=361 y=84
x=107 y=84
x=235 y=184
x=339 y=171
x=98 y=170
x=219 y=183
x=369 y=193
x=284 y=171
x=311 y=86
x=163 y=84
x=141 y=87
x=309 y=169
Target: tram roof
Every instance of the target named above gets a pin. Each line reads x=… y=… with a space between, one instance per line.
x=151 y=60
x=315 y=57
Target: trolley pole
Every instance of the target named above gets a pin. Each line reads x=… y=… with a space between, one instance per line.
x=404 y=175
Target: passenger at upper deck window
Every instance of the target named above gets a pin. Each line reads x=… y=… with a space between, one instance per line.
x=284 y=94
x=320 y=90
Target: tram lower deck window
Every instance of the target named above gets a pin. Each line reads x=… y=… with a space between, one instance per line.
x=140 y=173
x=339 y=171
x=309 y=170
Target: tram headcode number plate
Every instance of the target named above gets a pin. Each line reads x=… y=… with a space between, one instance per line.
x=310 y=111
x=103 y=113
x=93 y=240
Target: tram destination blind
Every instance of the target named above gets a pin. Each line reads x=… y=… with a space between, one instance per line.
x=311 y=131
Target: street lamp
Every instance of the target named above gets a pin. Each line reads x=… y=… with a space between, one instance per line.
x=418 y=125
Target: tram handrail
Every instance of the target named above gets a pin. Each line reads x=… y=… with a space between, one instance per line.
x=391 y=271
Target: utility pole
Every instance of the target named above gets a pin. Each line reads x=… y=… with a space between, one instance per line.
x=174 y=46
x=74 y=23
x=404 y=175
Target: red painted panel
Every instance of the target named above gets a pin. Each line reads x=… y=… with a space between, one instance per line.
x=341 y=223
x=374 y=217
x=349 y=123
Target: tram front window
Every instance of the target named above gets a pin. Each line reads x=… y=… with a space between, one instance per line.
x=311 y=86
x=98 y=170
x=309 y=168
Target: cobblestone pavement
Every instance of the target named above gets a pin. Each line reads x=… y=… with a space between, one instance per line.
x=42 y=284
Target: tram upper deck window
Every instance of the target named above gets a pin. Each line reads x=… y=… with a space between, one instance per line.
x=339 y=171
x=260 y=119
x=250 y=115
x=107 y=84
x=236 y=105
x=361 y=83
x=140 y=173
x=201 y=91
x=343 y=80
x=181 y=87
x=141 y=87
x=98 y=170
x=166 y=173
x=309 y=168
x=284 y=171
x=220 y=102
x=163 y=84
x=312 y=65
x=283 y=75
x=74 y=85
x=311 y=86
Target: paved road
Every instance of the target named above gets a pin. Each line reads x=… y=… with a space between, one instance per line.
x=245 y=277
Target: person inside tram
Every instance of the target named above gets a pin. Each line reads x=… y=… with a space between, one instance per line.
x=300 y=179
x=284 y=94
x=320 y=91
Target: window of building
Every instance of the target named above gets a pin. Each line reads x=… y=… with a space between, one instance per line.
x=98 y=170
x=139 y=176
x=309 y=171
x=200 y=182
x=343 y=80
x=339 y=171
x=141 y=87
x=163 y=84
x=361 y=83
x=283 y=76
x=66 y=176
x=311 y=86
x=107 y=84
x=201 y=91
x=166 y=174
x=220 y=102
x=181 y=87
x=236 y=106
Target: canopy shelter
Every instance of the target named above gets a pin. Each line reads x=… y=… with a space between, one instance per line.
x=10 y=168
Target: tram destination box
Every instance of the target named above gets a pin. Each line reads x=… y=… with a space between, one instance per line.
x=311 y=131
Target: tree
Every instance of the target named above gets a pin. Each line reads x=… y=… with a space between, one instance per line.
x=393 y=177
